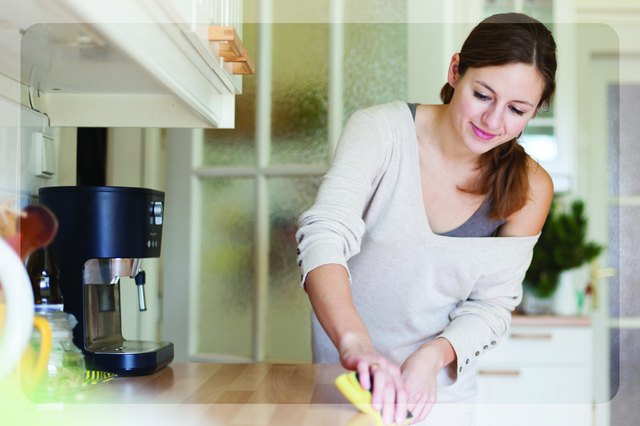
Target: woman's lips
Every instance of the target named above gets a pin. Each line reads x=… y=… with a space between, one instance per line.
x=481 y=133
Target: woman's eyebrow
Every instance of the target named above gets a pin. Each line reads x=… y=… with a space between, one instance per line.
x=482 y=83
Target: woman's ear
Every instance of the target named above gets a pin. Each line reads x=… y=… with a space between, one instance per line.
x=453 y=74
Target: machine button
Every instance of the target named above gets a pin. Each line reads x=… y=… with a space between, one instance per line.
x=157 y=212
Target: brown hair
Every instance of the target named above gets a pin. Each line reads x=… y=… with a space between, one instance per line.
x=503 y=39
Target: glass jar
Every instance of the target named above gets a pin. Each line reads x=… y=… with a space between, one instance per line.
x=65 y=370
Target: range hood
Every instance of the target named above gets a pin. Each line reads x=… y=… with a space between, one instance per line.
x=122 y=63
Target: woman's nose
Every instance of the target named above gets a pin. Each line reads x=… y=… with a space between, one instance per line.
x=492 y=118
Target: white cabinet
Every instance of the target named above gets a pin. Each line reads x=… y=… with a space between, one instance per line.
x=539 y=374
x=122 y=63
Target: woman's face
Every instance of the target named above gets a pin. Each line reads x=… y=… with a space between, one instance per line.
x=492 y=105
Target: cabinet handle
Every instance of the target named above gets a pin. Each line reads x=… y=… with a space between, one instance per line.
x=531 y=336
x=499 y=373
x=231 y=49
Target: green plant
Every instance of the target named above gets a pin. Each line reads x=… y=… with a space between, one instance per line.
x=562 y=245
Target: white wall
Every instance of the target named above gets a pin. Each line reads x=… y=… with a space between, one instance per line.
x=18 y=182
x=135 y=157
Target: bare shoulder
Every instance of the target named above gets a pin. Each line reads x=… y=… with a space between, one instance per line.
x=529 y=220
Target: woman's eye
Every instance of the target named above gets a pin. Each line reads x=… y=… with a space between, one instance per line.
x=516 y=111
x=480 y=96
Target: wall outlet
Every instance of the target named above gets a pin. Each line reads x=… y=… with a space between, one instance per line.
x=44 y=156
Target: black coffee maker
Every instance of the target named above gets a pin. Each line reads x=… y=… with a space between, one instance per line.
x=104 y=233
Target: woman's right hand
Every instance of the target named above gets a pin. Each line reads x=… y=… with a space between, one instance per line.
x=377 y=374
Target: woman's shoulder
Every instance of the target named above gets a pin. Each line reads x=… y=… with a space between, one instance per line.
x=529 y=219
x=540 y=182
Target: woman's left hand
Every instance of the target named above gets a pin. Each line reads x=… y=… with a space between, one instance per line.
x=419 y=372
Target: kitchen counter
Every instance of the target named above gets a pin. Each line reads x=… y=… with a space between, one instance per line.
x=209 y=383
x=201 y=393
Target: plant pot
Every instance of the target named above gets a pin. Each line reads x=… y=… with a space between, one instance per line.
x=564 y=300
x=535 y=305
x=568 y=298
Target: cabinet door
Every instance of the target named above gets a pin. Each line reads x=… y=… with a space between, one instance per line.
x=534 y=396
x=533 y=415
x=536 y=345
x=535 y=385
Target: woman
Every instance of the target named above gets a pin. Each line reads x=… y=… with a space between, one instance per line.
x=414 y=252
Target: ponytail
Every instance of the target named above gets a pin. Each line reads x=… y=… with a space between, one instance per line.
x=446 y=93
x=504 y=177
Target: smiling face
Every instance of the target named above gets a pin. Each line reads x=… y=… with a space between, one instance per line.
x=492 y=105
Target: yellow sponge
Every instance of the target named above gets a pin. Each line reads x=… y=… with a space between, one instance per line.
x=349 y=385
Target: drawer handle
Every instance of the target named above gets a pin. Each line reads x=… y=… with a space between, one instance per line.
x=231 y=49
x=531 y=336
x=499 y=373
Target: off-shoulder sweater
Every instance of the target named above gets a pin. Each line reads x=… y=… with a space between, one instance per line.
x=409 y=284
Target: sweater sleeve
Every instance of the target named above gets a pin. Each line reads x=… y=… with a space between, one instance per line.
x=479 y=322
x=331 y=230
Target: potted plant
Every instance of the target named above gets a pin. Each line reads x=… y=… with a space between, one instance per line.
x=562 y=246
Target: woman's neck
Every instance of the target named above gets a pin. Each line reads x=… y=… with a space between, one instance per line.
x=435 y=131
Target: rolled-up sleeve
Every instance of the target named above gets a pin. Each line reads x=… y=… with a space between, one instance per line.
x=331 y=231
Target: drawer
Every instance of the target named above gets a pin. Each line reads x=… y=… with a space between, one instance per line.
x=535 y=385
x=533 y=415
x=542 y=345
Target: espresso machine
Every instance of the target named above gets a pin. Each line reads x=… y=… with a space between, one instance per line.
x=104 y=233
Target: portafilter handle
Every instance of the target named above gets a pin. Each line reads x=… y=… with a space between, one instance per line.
x=140 y=281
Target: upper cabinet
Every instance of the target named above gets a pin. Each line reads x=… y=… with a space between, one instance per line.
x=127 y=63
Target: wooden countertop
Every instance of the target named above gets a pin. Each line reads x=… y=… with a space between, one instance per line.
x=205 y=394
x=209 y=383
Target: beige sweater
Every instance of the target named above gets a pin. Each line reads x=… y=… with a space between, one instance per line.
x=409 y=285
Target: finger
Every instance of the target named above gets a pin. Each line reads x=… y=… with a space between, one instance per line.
x=401 y=406
x=363 y=374
x=400 y=393
x=412 y=403
x=379 y=383
x=389 y=404
x=423 y=408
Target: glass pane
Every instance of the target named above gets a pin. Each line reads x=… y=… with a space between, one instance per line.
x=629 y=267
x=299 y=93
x=542 y=10
x=367 y=11
x=540 y=143
x=624 y=405
x=289 y=323
x=375 y=65
x=492 y=7
x=225 y=288
x=629 y=135
x=613 y=252
x=231 y=147
x=613 y=120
